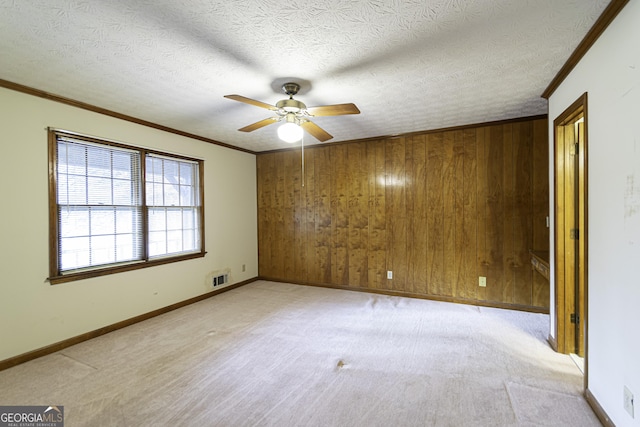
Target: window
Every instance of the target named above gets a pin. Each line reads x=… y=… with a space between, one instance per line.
x=115 y=207
x=172 y=204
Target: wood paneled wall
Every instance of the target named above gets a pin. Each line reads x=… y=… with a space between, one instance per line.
x=438 y=209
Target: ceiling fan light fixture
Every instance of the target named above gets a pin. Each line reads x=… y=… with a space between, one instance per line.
x=290 y=132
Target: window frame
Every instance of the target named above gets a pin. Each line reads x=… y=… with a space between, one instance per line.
x=55 y=275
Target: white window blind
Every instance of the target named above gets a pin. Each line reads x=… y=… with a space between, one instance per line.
x=99 y=205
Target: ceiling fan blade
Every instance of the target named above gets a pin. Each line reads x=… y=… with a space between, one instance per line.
x=258 y=125
x=251 y=101
x=333 y=110
x=316 y=131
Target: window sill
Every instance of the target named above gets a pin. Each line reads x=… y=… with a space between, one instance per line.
x=87 y=274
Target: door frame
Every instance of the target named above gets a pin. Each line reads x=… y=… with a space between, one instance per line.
x=565 y=301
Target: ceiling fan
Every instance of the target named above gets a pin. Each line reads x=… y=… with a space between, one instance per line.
x=295 y=114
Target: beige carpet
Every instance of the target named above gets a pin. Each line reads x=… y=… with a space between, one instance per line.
x=274 y=354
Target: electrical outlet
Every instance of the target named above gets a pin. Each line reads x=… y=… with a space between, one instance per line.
x=482 y=282
x=628 y=401
x=244 y=267
x=389 y=274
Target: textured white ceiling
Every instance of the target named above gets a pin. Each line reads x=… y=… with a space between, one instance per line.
x=409 y=65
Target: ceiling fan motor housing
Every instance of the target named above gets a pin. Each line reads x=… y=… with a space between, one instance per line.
x=291 y=105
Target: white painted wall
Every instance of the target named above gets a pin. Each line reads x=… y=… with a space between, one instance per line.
x=34 y=313
x=610 y=74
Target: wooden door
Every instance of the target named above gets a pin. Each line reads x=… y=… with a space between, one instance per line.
x=570 y=231
x=581 y=227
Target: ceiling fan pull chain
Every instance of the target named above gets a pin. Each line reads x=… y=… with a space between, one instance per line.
x=302 y=156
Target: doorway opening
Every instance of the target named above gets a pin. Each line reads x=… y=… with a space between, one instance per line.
x=570 y=235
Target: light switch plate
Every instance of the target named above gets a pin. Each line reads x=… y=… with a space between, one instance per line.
x=628 y=401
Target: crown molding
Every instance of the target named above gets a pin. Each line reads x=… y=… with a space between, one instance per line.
x=592 y=36
x=78 y=104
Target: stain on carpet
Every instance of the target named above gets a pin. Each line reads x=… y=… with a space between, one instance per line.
x=533 y=405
